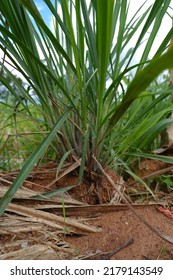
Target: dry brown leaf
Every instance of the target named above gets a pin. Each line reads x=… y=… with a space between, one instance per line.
x=51 y=219
x=33 y=252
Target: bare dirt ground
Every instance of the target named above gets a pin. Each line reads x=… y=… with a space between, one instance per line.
x=120 y=226
x=71 y=228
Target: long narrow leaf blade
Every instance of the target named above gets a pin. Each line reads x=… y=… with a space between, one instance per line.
x=30 y=162
x=141 y=81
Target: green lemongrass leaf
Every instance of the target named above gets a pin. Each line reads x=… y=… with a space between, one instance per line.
x=41 y=23
x=140 y=112
x=104 y=14
x=155 y=28
x=118 y=79
x=151 y=17
x=57 y=17
x=138 y=179
x=141 y=81
x=150 y=134
x=73 y=42
x=30 y=162
x=53 y=193
x=123 y=18
x=80 y=34
x=84 y=155
x=62 y=162
x=167 y=159
x=146 y=126
x=84 y=62
x=164 y=44
x=91 y=42
x=30 y=54
x=134 y=24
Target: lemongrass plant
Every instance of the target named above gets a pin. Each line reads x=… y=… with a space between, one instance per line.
x=80 y=74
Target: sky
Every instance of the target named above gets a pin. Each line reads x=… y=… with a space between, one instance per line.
x=164 y=28
x=134 y=5
x=46 y=14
